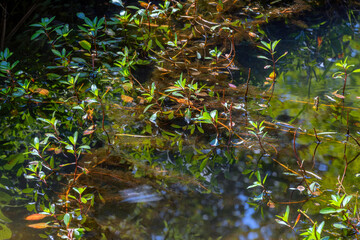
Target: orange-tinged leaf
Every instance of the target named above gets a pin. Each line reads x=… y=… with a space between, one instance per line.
x=142 y=100
x=272 y=75
x=319 y=41
x=42 y=91
x=88 y=131
x=58 y=150
x=254 y=35
x=126 y=99
x=39 y=225
x=36 y=216
x=146 y=5
x=316 y=193
x=184 y=101
x=338 y=95
x=219 y=7
x=271 y=204
x=297 y=219
x=163 y=69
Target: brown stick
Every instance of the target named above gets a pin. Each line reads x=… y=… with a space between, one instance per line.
x=22 y=20
x=3 y=21
x=247 y=84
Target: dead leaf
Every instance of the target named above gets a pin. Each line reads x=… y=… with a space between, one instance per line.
x=316 y=193
x=142 y=100
x=42 y=91
x=271 y=204
x=163 y=69
x=36 y=216
x=126 y=99
x=195 y=73
x=184 y=101
x=202 y=94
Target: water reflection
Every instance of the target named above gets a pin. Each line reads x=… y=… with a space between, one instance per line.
x=143 y=211
x=140 y=194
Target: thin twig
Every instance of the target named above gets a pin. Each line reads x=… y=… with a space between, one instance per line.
x=247 y=84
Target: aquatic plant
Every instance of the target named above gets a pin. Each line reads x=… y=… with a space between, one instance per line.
x=90 y=78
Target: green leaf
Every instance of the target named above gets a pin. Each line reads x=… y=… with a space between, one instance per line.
x=85 y=44
x=281 y=56
x=159 y=44
x=340 y=226
x=320 y=227
x=274 y=44
x=36 y=34
x=200 y=129
x=328 y=210
x=256 y=184
x=286 y=215
x=67 y=219
x=5 y=232
x=79 y=190
x=133 y=7
x=356 y=70
x=153 y=117
x=84 y=147
x=267 y=45
x=3 y=219
x=75 y=137
x=258 y=176
x=214 y=114
x=56 y=52
x=281 y=222
x=346 y=200
x=203 y=164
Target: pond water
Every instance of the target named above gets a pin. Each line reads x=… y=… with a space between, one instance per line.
x=155 y=185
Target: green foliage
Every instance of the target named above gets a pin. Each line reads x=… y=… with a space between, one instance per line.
x=91 y=70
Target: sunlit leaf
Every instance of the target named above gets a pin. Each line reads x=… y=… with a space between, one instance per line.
x=39 y=225
x=36 y=216
x=42 y=91
x=281 y=222
x=338 y=95
x=85 y=44
x=215 y=142
x=339 y=225
x=328 y=210
x=346 y=200
x=320 y=227
x=263 y=57
x=67 y=219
